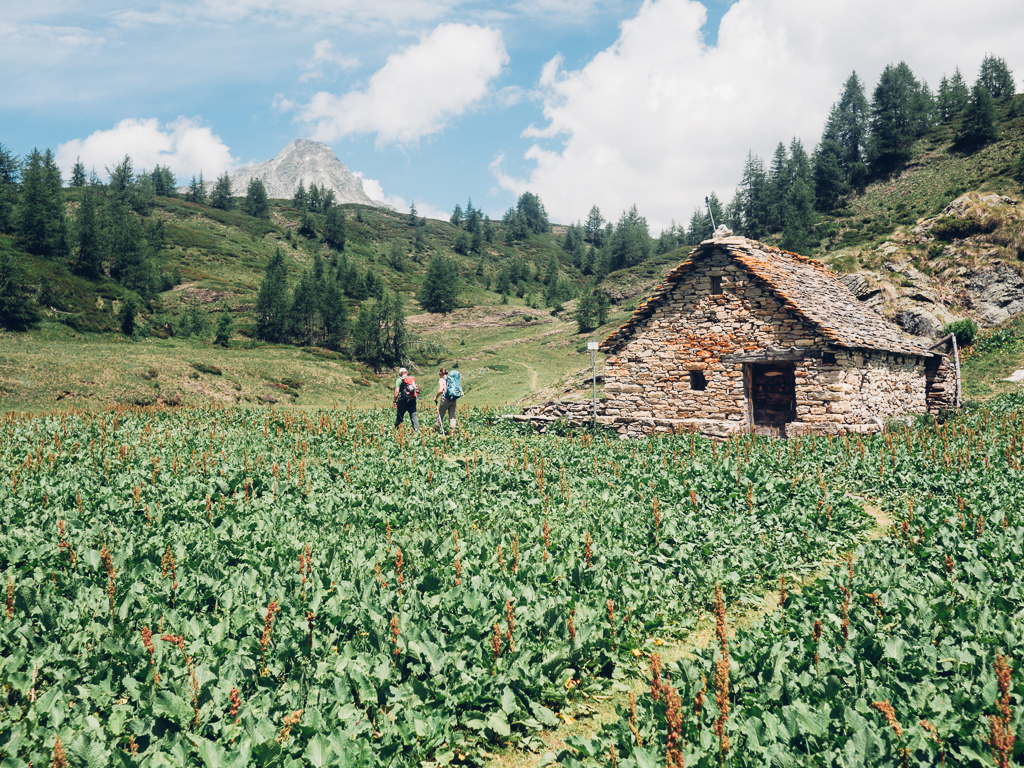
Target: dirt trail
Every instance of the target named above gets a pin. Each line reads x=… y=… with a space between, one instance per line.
x=598 y=711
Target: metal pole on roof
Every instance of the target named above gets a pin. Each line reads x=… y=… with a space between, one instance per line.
x=707 y=202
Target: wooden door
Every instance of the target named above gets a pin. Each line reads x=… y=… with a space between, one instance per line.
x=772 y=395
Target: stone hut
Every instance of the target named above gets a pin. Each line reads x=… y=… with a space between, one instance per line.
x=744 y=336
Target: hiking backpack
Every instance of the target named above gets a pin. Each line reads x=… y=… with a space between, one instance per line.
x=409 y=389
x=453 y=389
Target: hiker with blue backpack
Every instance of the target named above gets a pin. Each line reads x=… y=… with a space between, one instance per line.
x=449 y=390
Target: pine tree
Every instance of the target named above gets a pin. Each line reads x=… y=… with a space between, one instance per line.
x=754 y=203
x=456 y=217
x=334 y=228
x=516 y=229
x=440 y=290
x=300 y=200
x=163 y=181
x=78 y=173
x=531 y=210
x=89 y=234
x=997 y=78
x=307 y=225
x=130 y=263
x=196 y=190
x=952 y=98
x=593 y=227
x=126 y=315
x=221 y=196
x=778 y=184
x=40 y=214
x=901 y=110
x=10 y=173
x=631 y=243
x=829 y=184
x=256 y=202
x=272 y=301
x=488 y=229
x=17 y=309
x=225 y=328
x=979 y=124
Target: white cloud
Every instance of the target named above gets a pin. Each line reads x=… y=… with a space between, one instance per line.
x=324 y=57
x=185 y=145
x=375 y=191
x=660 y=119
x=418 y=91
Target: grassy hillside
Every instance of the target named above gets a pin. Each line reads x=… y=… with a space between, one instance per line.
x=217 y=258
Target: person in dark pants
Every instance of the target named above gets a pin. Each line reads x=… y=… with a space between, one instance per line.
x=405 y=399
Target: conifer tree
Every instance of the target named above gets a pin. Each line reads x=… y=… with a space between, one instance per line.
x=78 y=173
x=754 y=203
x=163 y=181
x=196 y=190
x=40 y=215
x=221 y=196
x=593 y=227
x=225 y=328
x=300 y=199
x=979 y=124
x=272 y=301
x=440 y=290
x=256 y=202
x=456 y=217
x=334 y=228
x=531 y=210
x=901 y=110
x=89 y=234
x=631 y=243
x=996 y=78
x=130 y=263
x=952 y=98
x=17 y=309
x=10 y=172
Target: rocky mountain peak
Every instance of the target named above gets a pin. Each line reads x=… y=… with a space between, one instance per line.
x=309 y=162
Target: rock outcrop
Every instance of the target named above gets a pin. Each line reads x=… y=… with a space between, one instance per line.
x=309 y=162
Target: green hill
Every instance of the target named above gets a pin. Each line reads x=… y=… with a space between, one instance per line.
x=213 y=261
x=904 y=249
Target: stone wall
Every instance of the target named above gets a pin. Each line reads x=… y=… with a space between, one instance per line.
x=654 y=382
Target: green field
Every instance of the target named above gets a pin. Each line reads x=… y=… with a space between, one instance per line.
x=251 y=586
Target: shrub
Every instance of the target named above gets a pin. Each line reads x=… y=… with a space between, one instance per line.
x=965 y=331
x=204 y=368
x=952 y=228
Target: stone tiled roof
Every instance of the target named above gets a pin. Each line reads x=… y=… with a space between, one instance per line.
x=804 y=286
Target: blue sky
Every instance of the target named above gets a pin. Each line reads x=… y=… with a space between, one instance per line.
x=585 y=102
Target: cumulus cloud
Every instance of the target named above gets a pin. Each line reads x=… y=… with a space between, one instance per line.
x=325 y=57
x=660 y=119
x=418 y=91
x=185 y=145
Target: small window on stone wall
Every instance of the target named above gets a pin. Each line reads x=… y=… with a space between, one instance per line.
x=698 y=382
x=716 y=285
x=828 y=358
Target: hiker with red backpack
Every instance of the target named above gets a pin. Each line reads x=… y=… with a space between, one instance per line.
x=406 y=392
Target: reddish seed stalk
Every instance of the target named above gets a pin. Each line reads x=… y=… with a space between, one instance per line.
x=1001 y=735
x=394 y=636
x=572 y=625
x=890 y=717
x=510 y=622
x=60 y=758
x=721 y=675
x=236 y=703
